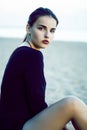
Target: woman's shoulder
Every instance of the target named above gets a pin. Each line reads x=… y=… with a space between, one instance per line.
x=26 y=51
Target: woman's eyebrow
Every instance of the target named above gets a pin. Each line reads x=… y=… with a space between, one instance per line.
x=42 y=26
x=46 y=26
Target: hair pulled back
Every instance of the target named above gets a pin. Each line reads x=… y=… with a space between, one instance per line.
x=35 y=15
x=41 y=12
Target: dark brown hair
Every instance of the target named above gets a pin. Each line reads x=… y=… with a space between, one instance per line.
x=38 y=13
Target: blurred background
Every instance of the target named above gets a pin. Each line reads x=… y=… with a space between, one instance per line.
x=66 y=58
x=72 y=15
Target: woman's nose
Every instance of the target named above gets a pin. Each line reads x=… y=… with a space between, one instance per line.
x=47 y=34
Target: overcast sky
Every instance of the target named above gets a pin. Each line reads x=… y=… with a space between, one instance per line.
x=72 y=14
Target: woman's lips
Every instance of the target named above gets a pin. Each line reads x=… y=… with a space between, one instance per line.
x=45 y=41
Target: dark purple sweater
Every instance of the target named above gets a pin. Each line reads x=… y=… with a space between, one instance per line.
x=22 y=89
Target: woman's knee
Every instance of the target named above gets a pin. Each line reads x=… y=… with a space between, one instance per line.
x=74 y=103
x=67 y=105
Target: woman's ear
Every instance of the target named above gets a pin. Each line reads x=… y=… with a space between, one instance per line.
x=28 y=28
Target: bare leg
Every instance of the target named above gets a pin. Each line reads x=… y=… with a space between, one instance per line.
x=56 y=116
x=79 y=119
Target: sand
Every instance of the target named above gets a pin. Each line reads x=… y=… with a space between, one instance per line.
x=65 y=68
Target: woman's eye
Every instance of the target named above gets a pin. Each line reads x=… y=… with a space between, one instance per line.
x=53 y=30
x=40 y=28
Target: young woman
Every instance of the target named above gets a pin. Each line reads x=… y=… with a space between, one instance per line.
x=22 y=103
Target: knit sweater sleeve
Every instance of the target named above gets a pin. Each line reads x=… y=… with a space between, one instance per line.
x=35 y=82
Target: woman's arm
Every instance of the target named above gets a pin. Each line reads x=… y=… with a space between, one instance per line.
x=35 y=82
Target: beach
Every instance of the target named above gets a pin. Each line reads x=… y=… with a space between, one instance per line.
x=65 y=67
x=66 y=70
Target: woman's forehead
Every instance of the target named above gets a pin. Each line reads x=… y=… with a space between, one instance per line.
x=46 y=20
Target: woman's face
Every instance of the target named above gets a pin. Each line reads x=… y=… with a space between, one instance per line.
x=42 y=32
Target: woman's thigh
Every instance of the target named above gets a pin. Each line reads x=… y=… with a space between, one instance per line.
x=54 y=117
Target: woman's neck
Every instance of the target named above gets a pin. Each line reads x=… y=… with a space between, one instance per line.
x=31 y=45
